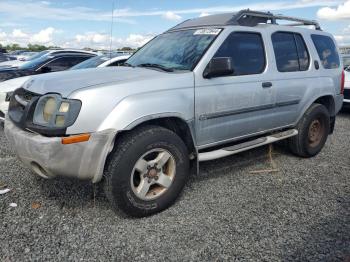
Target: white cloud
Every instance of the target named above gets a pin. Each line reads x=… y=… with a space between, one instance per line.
x=342 y=39
x=136 y=40
x=44 y=10
x=18 y=36
x=171 y=16
x=3 y=35
x=91 y=37
x=203 y=14
x=17 y=33
x=342 y=11
x=102 y=41
x=43 y=37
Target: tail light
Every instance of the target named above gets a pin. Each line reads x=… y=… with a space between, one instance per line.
x=342 y=84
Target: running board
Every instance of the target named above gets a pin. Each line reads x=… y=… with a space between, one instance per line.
x=227 y=151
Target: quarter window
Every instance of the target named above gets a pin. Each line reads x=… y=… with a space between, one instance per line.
x=290 y=52
x=247 y=52
x=326 y=51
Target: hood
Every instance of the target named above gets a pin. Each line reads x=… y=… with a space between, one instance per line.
x=12 y=84
x=67 y=82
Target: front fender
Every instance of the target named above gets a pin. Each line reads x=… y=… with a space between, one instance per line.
x=135 y=109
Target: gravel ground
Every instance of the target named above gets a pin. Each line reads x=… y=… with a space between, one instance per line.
x=300 y=213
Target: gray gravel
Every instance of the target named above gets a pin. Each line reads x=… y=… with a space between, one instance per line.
x=225 y=213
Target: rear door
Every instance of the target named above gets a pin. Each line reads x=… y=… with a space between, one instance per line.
x=241 y=104
x=294 y=75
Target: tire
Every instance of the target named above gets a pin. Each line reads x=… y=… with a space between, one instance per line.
x=313 y=128
x=126 y=183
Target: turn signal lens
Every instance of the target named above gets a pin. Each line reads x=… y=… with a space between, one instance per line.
x=75 y=139
x=59 y=121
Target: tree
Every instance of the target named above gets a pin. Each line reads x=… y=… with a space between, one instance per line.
x=126 y=48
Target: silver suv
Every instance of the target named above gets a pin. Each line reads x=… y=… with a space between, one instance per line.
x=208 y=88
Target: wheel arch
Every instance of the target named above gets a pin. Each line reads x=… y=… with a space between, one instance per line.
x=183 y=128
x=326 y=100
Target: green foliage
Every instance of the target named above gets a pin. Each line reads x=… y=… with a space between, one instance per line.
x=30 y=47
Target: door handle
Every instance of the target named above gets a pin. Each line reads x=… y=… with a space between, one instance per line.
x=266 y=84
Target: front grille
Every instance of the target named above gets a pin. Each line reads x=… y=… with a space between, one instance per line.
x=22 y=105
x=346 y=93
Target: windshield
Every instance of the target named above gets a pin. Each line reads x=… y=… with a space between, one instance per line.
x=35 y=62
x=91 y=63
x=179 y=50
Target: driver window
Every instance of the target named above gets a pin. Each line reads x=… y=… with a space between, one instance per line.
x=247 y=52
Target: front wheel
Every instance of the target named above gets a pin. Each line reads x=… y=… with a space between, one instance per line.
x=147 y=171
x=313 y=129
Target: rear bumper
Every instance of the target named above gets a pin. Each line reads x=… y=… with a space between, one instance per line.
x=48 y=157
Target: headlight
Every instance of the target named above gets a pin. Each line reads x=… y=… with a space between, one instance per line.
x=56 y=112
x=8 y=96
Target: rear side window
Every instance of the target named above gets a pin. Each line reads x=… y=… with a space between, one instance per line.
x=326 y=51
x=247 y=52
x=290 y=52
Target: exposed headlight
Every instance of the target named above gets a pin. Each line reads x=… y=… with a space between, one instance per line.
x=8 y=96
x=56 y=112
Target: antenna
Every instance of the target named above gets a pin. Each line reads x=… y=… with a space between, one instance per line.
x=111 y=39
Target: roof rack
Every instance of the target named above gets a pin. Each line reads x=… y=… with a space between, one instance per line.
x=244 y=18
x=252 y=18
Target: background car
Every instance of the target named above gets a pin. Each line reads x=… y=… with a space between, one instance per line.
x=26 y=56
x=7 y=87
x=347 y=87
x=51 y=62
x=17 y=63
x=102 y=61
x=346 y=61
x=5 y=57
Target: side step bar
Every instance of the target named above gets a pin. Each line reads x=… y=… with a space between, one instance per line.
x=227 y=151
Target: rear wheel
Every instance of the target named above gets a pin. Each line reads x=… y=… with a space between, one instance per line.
x=147 y=171
x=313 y=129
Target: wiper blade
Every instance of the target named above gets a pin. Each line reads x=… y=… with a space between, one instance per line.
x=164 y=68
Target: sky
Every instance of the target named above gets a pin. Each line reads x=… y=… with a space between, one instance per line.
x=88 y=23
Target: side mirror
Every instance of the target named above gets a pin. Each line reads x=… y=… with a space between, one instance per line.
x=219 y=66
x=45 y=69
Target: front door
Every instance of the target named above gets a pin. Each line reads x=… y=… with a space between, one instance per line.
x=241 y=104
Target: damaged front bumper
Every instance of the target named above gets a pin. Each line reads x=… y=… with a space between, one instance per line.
x=48 y=157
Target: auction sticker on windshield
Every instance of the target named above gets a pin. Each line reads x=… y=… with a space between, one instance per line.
x=207 y=31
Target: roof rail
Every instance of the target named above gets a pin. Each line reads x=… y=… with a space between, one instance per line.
x=244 y=18
x=252 y=18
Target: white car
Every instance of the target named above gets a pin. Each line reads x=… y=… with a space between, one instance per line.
x=101 y=61
x=12 y=84
x=347 y=87
x=8 y=87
